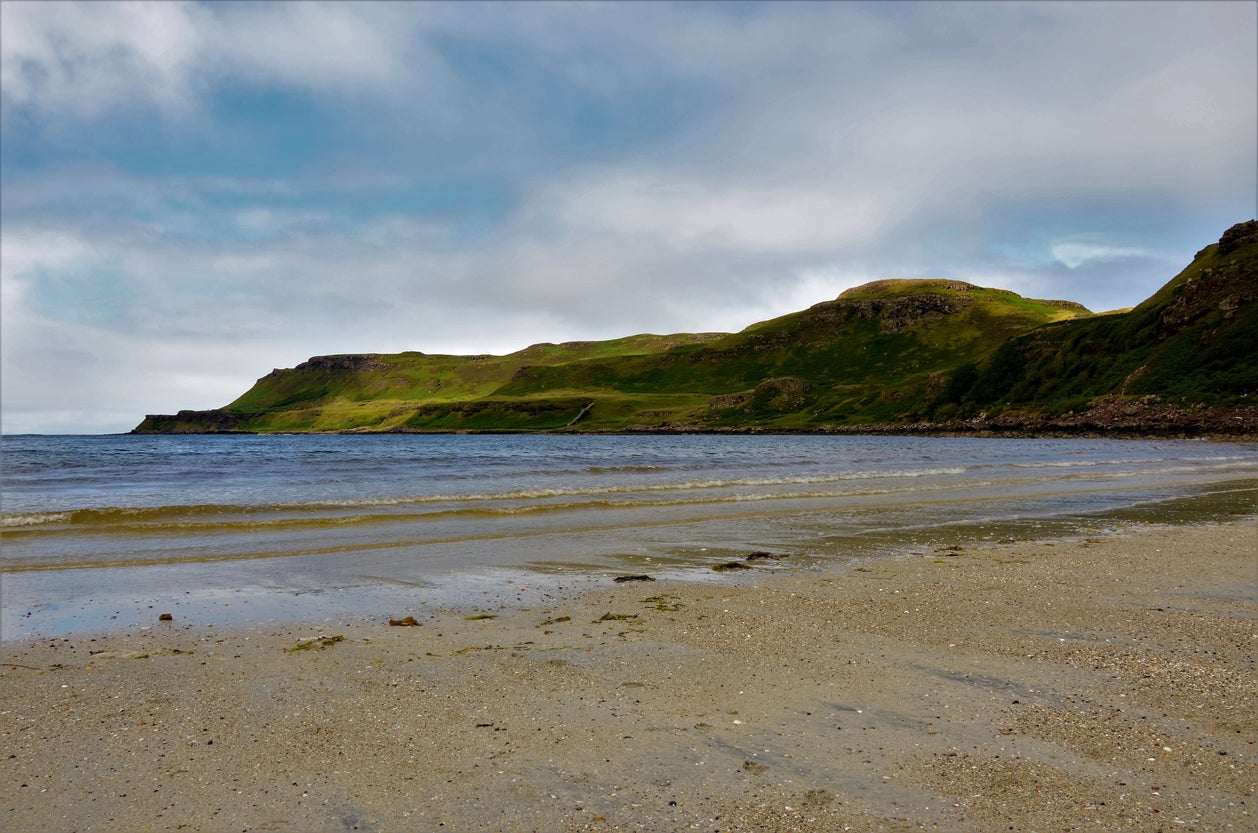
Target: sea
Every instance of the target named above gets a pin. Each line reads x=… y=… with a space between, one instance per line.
x=105 y=533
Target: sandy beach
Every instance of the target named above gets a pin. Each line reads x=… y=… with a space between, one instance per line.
x=1103 y=683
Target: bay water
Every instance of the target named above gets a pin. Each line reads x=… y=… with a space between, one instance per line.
x=107 y=532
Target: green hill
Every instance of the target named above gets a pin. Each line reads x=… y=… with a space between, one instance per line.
x=859 y=359
x=890 y=355
x=403 y=391
x=1188 y=355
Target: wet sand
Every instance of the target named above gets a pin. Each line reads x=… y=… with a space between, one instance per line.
x=1094 y=684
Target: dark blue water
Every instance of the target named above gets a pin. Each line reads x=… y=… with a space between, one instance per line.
x=245 y=528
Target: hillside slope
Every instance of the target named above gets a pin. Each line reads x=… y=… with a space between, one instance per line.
x=921 y=355
x=1185 y=357
x=857 y=359
x=389 y=391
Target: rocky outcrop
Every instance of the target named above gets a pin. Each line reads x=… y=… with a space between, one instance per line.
x=899 y=284
x=1241 y=234
x=345 y=363
x=903 y=303
x=779 y=394
x=1218 y=288
x=1121 y=416
x=214 y=421
x=896 y=314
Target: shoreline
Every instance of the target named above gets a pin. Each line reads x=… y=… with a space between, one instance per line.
x=1238 y=434
x=94 y=604
x=1062 y=684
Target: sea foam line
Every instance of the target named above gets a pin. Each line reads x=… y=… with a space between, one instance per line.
x=112 y=515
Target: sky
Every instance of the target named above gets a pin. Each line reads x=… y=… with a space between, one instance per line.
x=193 y=194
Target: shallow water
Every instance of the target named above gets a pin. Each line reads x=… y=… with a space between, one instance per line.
x=104 y=532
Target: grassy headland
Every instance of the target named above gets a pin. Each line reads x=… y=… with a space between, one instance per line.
x=933 y=355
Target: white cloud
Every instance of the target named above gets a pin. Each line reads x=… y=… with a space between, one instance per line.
x=678 y=210
x=752 y=160
x=1075 y=254
x=24 y=252
x=320 y=45
x=84 y=60
x=66 y=377
x=824 y=283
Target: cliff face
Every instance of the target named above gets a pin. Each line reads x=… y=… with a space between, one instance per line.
x=216 y=421
x=890 y=355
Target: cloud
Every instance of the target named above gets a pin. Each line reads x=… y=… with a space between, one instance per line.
x=320 y=45
x=1075 y=254
x=684 y=212
x=195 y=193
x=73 y=62
x=84 y=59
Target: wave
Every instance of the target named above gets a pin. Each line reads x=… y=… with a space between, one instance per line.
x=1071 y=464
x=100 y=516
x=207 y=517
x=623 y=488
x=1034 y=501
x=619 y=469
x=35 y=519
x=159 y=522
x=1212 y=462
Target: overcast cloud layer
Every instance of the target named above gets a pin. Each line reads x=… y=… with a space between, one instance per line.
x=194 y=194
